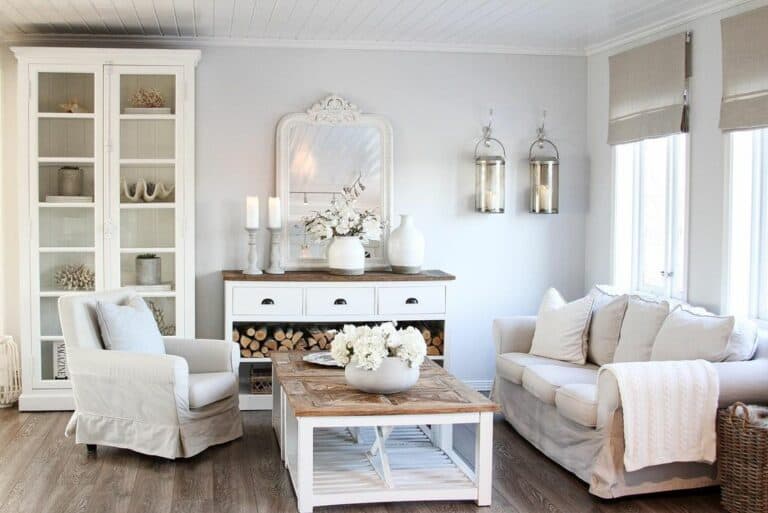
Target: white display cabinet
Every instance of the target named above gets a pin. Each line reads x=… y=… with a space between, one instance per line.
x=86 y=143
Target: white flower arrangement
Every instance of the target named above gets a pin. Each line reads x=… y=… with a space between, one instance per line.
x=342 y=219
x=366 y=347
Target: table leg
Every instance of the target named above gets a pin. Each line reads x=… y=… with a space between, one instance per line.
x=283 y=420
x=378 y=448
x=305 y=466
x=484 y=458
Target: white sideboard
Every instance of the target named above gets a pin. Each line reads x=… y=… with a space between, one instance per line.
x=302 y=300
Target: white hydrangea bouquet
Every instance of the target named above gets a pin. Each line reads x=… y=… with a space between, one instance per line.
x=366 y=347
x=343 y=219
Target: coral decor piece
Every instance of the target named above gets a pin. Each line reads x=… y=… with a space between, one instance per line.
x=147 y=98
x=72 y=106
x=167 y=329
x=75 y=277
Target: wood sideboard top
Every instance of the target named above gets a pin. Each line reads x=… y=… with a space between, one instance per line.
x=315 y=391
x=323 y=276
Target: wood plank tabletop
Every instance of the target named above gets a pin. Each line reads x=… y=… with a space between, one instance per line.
x=316 y=391
x=324 y=276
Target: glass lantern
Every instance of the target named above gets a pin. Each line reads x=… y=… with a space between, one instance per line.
x=489 y=179
x=545 y=173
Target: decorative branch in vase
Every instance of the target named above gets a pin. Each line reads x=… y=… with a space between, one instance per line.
x=348 y=227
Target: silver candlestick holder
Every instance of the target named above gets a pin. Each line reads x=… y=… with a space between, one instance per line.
x=253 y=252
x=274 y=253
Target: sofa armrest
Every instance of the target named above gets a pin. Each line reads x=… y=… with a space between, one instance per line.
x=204 y=355
x=738 y=381
x=143 y=387
x=743 y=381
x=513 y=334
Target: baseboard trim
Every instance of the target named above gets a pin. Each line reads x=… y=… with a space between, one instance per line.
x=481 y=385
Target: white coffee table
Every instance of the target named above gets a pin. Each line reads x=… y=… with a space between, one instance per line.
x=341 y=446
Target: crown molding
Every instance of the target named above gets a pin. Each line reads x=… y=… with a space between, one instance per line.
x=176 y=41
x=700 y=11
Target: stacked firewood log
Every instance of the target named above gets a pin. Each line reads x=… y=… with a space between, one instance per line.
x=256 y=341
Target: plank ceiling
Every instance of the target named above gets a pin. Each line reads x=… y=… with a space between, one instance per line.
x=547 y=26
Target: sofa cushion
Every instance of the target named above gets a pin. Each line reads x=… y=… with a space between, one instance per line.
x=578 y=403
x=605 y=327
x=638 y=331
x=561 y=328
x=542 y=381
x=690 y=335
x=510 y=366
x=208 y=387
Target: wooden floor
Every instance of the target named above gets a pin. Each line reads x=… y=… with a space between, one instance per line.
x=41 y=471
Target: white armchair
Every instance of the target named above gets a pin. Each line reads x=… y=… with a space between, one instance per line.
x=173 y=405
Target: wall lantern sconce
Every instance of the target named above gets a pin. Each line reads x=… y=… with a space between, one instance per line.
x=545 y=173
x=489 y=174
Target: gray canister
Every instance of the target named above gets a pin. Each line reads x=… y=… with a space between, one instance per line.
x=70 y=181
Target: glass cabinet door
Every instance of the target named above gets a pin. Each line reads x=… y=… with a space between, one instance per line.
x=144 y=169
x=66 y=181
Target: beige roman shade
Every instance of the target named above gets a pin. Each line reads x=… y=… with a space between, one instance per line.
x=745 y=70
x=647 y=91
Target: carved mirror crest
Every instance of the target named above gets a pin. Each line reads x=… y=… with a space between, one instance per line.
x=321 y=151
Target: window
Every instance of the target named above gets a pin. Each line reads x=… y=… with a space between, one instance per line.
x=747 y=272
x=649 y=221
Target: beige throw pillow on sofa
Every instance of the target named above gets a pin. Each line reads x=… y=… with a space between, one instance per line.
x=690 y=335
x=641 y=323
x=605 y=327
x=561 y=328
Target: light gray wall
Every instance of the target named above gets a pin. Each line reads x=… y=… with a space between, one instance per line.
x=436 y=103
x=707 y=165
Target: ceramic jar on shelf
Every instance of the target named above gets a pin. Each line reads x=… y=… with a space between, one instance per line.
x=346 y=256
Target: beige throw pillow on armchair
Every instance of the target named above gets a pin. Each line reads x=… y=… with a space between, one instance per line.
x=561 y=328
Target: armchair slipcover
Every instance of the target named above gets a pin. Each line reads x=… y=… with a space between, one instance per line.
x=172 y=405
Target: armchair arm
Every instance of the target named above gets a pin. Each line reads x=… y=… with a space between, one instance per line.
x=205 y=355
x=138 y=386
x=513 y=334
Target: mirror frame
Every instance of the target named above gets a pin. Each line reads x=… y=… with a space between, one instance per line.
x=332 y=110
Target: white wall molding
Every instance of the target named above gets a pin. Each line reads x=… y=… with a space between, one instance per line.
x=180 y=41
x=705 y=9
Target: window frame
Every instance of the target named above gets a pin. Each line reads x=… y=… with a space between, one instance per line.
x=681 y=292
x=758 y=264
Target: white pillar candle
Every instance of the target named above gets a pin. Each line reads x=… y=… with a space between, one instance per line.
x=275 y=218
x=252 y=212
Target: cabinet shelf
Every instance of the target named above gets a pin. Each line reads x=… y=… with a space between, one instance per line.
x=149 y=117
x=147 y=250
x=74 y=204
x=66 y=160
x=66 y=115
x=65 y=249
x=59 y=293
x=158 y=204
x=147 y=162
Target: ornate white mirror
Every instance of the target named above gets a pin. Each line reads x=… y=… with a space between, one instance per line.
x=319 y=152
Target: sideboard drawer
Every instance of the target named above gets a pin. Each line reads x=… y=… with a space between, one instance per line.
x=340 y=301
x=266 y=301
x=412 y=300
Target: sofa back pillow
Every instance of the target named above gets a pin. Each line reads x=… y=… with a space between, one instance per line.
x=605 y=327
x=690 y=335
x=638 y=331
x=129 y=327
x=561 y=328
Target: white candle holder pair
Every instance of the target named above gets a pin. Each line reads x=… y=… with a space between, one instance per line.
x=253 y=252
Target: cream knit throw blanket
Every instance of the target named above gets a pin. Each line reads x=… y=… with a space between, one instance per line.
x=670 y=410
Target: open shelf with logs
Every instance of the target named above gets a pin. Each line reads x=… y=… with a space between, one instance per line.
x=256 y=340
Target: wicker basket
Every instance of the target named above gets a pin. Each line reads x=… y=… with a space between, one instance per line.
x=261 y=380
x=742 y=455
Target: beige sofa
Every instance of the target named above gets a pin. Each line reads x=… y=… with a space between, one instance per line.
x=577 y=422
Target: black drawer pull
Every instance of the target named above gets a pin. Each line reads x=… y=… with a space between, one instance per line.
x=267 y=301
x=340 y=301
x=411 y=301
